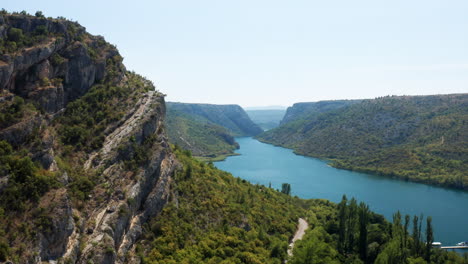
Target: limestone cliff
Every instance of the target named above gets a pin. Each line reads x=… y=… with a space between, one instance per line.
x=96 y=135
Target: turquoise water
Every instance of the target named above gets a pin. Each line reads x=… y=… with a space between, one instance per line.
x=313 y=178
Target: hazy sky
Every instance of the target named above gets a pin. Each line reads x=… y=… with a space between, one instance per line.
x=270 y=52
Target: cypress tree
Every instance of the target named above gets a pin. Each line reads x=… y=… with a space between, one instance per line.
x=342 y=216
x=363 y=223
x=429 y=239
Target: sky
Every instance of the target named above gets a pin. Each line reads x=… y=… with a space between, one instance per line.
x=269 y=52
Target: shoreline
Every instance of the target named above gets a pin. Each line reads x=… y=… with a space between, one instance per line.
x=333 y=163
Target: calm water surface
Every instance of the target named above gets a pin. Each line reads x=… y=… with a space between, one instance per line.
x=313 y=178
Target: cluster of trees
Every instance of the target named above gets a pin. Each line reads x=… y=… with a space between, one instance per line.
x=17 y=39
x=12 y=113
x=26 y=180
x=354 y=234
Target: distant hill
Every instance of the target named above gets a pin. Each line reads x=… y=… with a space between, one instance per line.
x=266 y=119
x=419 y=138
x=232 y=117
x=208 y=131
x=201 y=137
x=305 y=110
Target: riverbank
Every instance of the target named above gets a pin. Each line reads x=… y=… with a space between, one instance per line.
x=221 y=157
x=405 y=175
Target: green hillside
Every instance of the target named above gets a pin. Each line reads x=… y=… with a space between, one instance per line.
x=266 y=119
x=306 y=110
x=217 y=218
x=231 y=117
x=418 y=138
x=203 y=138
x=206 y=130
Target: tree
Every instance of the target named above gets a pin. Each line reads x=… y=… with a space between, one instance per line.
x=429 y=239
x=342 y=216
x=417 y=235
x=363 y=223
x=15 y=34
x=352 y=228
x=286 y=188
x=39 y=14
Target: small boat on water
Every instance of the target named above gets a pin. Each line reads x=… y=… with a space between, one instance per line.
x=436 y=244
x=463 y=244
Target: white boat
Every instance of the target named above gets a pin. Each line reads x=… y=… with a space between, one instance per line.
x=436 y=244
x=463 y=244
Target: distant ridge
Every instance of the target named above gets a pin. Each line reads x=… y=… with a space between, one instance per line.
x=232 y=117
x=208 y=130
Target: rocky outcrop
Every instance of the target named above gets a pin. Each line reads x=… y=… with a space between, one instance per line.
x=117 y=224
x=59 y=68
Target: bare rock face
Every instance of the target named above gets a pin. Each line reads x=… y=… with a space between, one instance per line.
x=60 y=68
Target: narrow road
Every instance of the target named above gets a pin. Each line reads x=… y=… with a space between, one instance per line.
x=301 y=228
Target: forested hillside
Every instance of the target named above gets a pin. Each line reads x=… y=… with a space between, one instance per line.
x=232 y=117
x=203 y=138
x=305 y=110
x=418 y=138
x=206 y=130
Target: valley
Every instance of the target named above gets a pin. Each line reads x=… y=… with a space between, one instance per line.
x=96 y=167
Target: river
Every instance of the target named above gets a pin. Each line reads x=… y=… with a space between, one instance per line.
x=313 y=178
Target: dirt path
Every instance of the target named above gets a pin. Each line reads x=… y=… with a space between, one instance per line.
x=301 y=228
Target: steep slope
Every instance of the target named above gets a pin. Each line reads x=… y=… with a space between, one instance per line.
x=266 y=119
x=420 y=138
x=232 y=117
x=204 y=139
x=306 y=110
x=84 y=158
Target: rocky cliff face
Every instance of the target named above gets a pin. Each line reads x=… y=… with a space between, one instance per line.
x=127 y=177
x=60 y=67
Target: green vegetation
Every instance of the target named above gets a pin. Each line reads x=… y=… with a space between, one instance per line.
x=231 y=117
x=421 y=139
x=17 y=39
x=83 y=124
x=304 y=111
x=208 y=131
x=217 y=218
x=22 y=184
x=26 y=181
x=208 y=141
x=14 y=111
x=351 y=233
